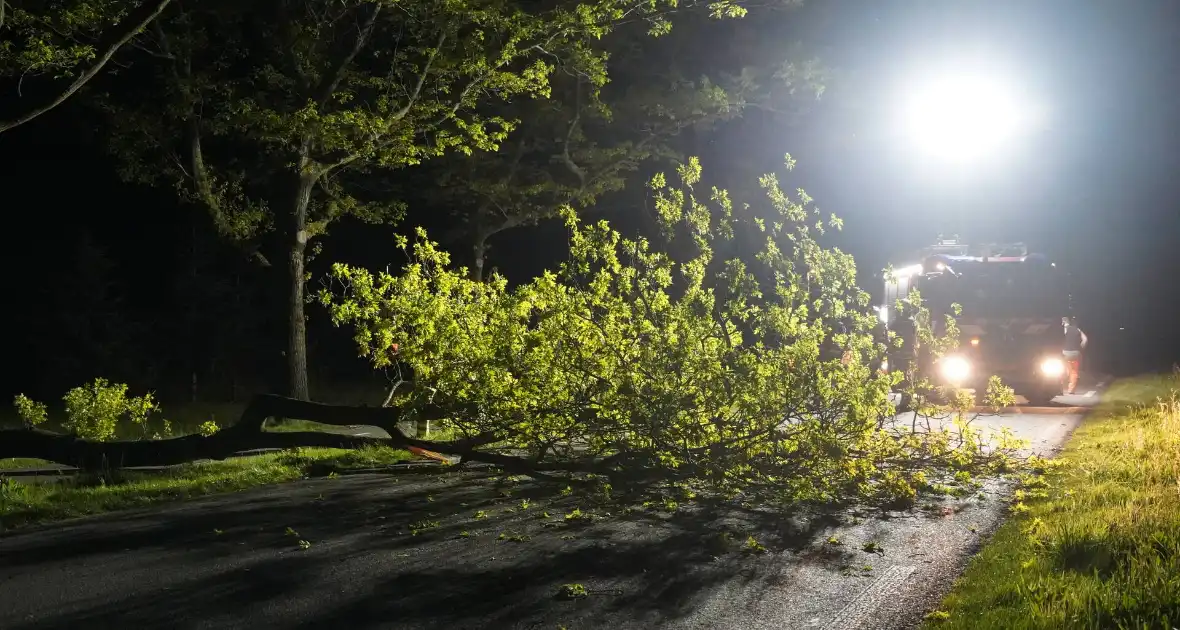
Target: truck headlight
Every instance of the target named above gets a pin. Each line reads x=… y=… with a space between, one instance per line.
x=1052 y=367
x=954 y=369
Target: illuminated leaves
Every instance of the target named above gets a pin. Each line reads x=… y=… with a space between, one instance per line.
x=54 y=39
x=93 y=411
x=755 y=374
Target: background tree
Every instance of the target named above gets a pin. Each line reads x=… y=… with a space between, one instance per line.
x=71 y=42
x=275 y=113
x=587 y=140
x=84 y=322
x=215 y=321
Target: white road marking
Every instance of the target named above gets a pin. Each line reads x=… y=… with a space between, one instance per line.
x=1090 y=394
x=362 y=434
x=861 y=608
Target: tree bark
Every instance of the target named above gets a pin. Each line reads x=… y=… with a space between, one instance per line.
x=297 y=384
x=480 y=251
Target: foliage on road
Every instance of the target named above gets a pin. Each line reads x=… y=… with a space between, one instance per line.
x=737 y=354
x=1095 y=539
x=24 y=503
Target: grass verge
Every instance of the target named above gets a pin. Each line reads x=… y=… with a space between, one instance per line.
x=1094 y=540
x=17 y=463
x=23 y=504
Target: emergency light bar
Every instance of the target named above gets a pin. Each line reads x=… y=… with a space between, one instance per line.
x=984 y=258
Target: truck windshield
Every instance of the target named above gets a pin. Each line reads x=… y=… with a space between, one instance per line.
x=999 y=290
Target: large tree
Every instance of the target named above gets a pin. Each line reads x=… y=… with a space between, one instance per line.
x=69 y=42
x=276 y=113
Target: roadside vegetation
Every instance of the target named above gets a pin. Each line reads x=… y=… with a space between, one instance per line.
x=26 y=503
x=725 y=349
x=1094 y=541
x=734 y=356
x=104 y=412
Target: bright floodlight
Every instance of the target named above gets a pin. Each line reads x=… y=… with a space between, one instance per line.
x=960 y=117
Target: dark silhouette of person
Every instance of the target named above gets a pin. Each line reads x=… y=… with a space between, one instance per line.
x=1075 y=342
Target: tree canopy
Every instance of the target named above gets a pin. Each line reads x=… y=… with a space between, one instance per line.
x=69 y=42
x=275 y=114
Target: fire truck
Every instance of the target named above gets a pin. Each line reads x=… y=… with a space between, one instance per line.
x=1012 y=303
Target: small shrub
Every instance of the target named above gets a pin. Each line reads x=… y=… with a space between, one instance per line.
x=31 y=412
x=572 y=591
x=753 y=546
x=937 y=616
x=94 y=411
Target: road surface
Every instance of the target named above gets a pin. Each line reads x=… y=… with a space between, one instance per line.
x=389 y=552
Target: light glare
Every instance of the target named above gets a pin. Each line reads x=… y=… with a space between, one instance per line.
x=905 y=272
x=1052 y=367
x=960 y=117
x=955 y=369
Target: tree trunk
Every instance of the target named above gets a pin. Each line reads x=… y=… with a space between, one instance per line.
x=194 y=344
x=480 y=250
x=296 y=320
x=245 y=435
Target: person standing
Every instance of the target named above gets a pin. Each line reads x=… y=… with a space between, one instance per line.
x=904 y=359
x=1075 y=342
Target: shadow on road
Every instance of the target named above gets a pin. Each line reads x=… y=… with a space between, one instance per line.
x=454 y=552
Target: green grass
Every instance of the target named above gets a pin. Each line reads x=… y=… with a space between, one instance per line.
x=23 y=504
x=1094 y=542
x=179 y=429
x=16 y=463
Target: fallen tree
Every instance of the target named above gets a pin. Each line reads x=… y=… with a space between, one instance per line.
x=245 y=435
x=754 y=376
x=738 y=355
x=248 y=434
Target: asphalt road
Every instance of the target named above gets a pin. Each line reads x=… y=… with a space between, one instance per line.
x=230 y=561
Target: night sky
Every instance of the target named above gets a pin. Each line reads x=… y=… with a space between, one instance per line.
x=1096 y=186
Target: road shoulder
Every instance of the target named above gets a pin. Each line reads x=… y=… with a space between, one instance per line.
x=1091 y=536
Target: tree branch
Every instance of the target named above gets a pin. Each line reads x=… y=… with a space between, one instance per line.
x=401 y=113
x=569 y=134
x=198 y=172
x=332 y=79
x=413 y=98
x=134 y=23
